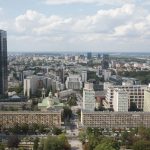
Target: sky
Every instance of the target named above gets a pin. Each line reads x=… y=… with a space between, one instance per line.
x=76 y=25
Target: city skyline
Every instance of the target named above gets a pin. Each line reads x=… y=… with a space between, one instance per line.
x=76 y=25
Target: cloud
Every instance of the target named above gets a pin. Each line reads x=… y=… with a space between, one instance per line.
x=111 y=2
x=128 y=22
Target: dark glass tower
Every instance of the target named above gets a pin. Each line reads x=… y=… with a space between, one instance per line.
x=3 y=64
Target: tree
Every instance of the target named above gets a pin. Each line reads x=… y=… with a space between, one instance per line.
x=67 y=113
x=133 y=107
x=25 y=128
x=82 y=136
x=104 y=146
x=56 y=131
x=141 y=145
x=79 y=114
x=2 y=147
x=13 y=141
x=56 y=143
x=36 y=144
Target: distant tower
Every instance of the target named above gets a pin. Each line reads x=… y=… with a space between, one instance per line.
x=43 y=93
x=3 y=64
x=89 y=55
x=105 y=61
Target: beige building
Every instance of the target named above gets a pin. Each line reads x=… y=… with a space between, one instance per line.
x=49 y=118
x=120 y=102
x=115 y=119
x=147 y=100
x=135 y=94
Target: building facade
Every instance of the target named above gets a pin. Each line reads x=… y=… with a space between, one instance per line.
x=115 y=119
x=135 y=94
x=147 y=100
x=74 y=82
x=9 y=119
x=84 y=76
x=3 y=64
x=89 y=97
x=120 y=102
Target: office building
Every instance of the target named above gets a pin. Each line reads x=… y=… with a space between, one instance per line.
x=88 y=97
x=135 y=94
x=105 y=61
x=3 y=64
x=120 y=102
x=74 y=82
x=89 y=55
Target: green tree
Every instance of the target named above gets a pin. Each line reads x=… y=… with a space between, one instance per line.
x=104 y=146
x=67 y=113
x=133 y=107
x=36 y=144
x=13 y=141
x=56 y=131
x=2 y=147
x=141 y=145
x=82 y=136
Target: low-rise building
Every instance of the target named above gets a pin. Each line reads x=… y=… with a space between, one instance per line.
x=115 y=119
x=50 y=118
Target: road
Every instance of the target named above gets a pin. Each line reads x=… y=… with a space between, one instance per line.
x=75 y=144
x=73 y=131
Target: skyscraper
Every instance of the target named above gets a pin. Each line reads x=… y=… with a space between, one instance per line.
x=89 y=55
x=3 y=64
x=105 y=61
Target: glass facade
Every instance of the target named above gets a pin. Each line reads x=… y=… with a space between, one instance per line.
x=3 y=64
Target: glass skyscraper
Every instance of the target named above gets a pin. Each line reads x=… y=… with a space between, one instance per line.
x=3 y=64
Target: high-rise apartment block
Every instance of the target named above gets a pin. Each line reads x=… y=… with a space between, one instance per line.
x=120 y=102
x=3 y=64
x=88 y=97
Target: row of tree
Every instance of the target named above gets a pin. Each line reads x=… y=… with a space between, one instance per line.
x=136 y=139
x=54 y=143
x=31 y=129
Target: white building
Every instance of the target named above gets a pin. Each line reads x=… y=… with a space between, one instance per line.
x=106 y=74
x=107 y=85
x=135 y=94
x=74 y=82
x=88 y=97
x=147 y=99
x=84 y=76
x=120 y=102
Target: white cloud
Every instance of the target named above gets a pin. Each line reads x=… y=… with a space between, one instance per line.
x=106 y=23
x=112 y=2
x=127 y=22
